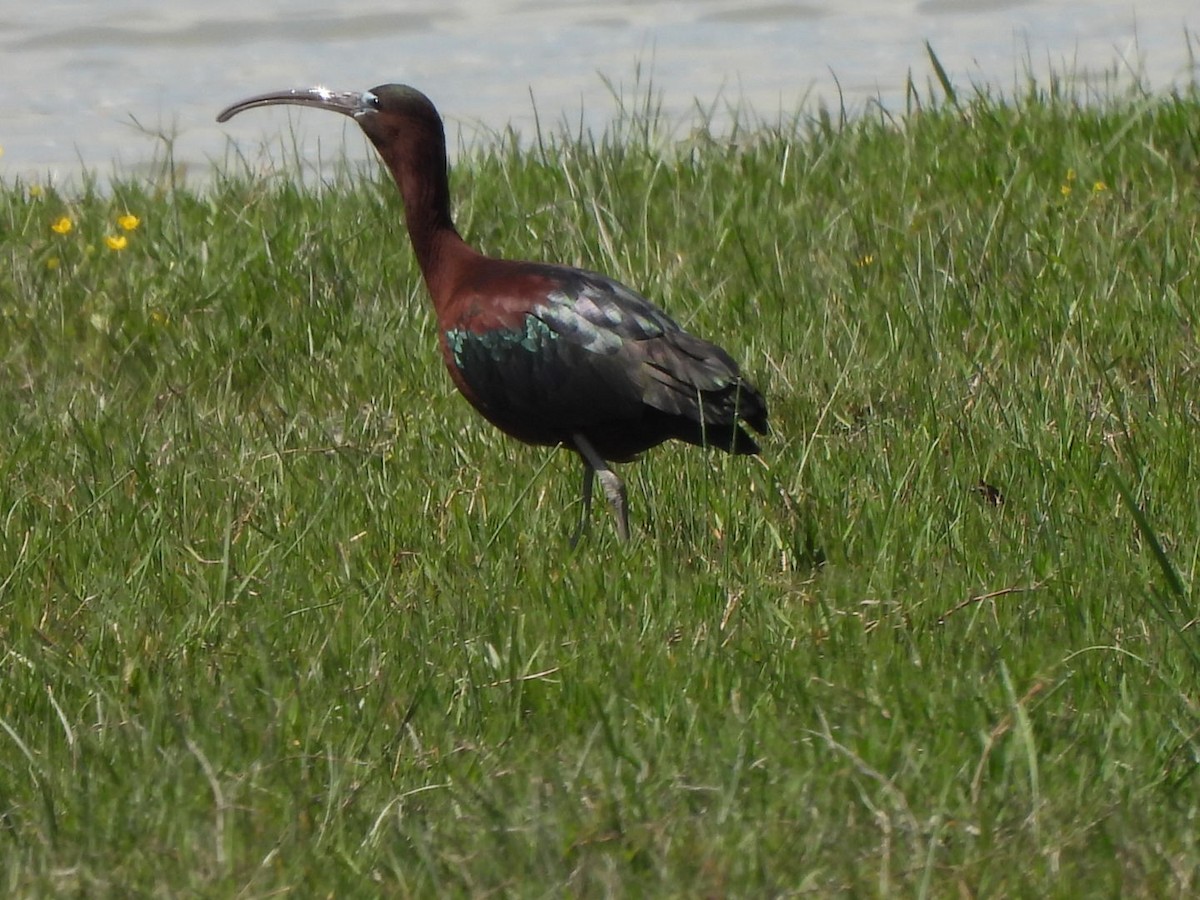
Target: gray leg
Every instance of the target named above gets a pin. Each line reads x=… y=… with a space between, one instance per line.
x=588 y=474
x=614 y=489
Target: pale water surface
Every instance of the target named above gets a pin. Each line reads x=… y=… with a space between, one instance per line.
x=76 y=74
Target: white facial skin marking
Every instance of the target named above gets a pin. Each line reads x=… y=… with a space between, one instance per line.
x=365 y=104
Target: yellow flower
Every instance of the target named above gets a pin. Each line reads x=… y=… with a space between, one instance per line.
x=128 y=222
x=1066 y=190
x=53 y=263
x=865 y=260
x=62 y=226
x=116 y=241
x=36 y=190
x=1099 y=187
x=158 y=317
x=1070 y=175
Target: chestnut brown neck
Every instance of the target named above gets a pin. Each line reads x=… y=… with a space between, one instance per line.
x=415 y=152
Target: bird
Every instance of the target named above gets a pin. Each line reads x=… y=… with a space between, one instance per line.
x=551 y=355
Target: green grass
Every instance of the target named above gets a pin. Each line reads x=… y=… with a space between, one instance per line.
x=279 y=612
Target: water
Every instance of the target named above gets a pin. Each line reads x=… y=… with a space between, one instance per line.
x=77 y=75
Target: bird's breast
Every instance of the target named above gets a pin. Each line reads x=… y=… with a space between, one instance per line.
x=470 y=348
x=510 y=376
x=538 y=384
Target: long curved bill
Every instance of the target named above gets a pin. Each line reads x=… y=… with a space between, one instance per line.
x=348 y=103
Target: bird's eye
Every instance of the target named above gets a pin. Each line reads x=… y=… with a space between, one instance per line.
x=369 y=100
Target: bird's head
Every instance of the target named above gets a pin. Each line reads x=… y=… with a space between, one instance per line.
x=387 y=114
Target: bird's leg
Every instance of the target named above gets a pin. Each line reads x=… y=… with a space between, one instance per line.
x=614 y=489
x=588 y=474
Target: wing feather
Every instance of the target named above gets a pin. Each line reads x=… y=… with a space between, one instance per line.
x=593 y=351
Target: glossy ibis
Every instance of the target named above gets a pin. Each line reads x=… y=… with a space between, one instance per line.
x=549 y=354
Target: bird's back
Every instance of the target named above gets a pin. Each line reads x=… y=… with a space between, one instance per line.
x=545 y=352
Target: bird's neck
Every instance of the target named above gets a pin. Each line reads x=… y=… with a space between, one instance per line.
x=421 y=172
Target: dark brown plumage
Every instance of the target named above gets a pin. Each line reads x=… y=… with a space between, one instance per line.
x=549 y=354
